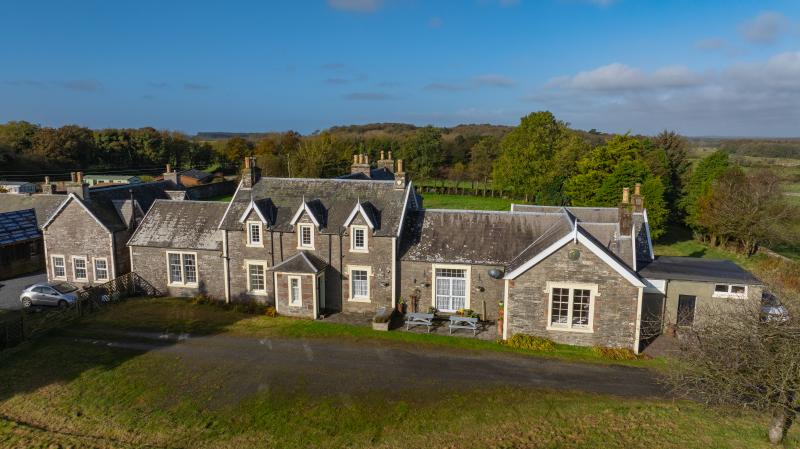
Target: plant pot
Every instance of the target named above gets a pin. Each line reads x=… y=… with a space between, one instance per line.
x=380 y=326
x=500 y=328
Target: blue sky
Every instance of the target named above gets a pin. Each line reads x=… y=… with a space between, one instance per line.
x=701 y=68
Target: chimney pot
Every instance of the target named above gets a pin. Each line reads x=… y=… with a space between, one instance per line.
x=399 y=166
x=637 y=189
x=626 y=195
x=47 y=180
x=169 y=168
x=382 y=155
x=355 y=159
x=390 y=154
x=79 y=177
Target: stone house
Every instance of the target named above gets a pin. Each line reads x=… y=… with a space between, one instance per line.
x=354 y=244
x=85 y=237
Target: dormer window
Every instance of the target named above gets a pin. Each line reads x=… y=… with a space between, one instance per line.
x=254 y=234
x=358 y=239
x=305 y=236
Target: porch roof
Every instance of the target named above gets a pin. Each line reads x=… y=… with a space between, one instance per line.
x=697 y=269
x=302 y=262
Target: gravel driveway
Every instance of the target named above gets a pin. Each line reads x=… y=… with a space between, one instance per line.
x=11 y=288
x=327 y=366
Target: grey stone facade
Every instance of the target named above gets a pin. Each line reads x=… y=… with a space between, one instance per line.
x=615 y=304
x=151 y=264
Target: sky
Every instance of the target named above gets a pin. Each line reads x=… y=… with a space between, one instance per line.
x=702 y=68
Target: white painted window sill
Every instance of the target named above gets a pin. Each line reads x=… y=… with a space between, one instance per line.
x=579 y=330
x=359 y=300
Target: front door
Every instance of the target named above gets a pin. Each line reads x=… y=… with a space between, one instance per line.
x=451 y=289
x=321 y=291
x=686 y=305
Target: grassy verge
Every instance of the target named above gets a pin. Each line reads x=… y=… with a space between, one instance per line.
x=54 y=395
x=179 y=315
x=437 y=201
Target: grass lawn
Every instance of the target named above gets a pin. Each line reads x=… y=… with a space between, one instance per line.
x=437 y=201
x=58 y=393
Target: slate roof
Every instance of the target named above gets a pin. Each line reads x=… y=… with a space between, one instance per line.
x=331 y=200
x=195 y=174
x=111 y=177
x=302 y=262
x=18 y=226
x=144 y=193
x=377 y=174
x=14 y=183
x=550 y=236
x=472 y=237
x=44 y=205
x=697 y=269
x=181 y=225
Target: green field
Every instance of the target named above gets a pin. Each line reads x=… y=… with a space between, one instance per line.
x=466 y=202
x=57 y=392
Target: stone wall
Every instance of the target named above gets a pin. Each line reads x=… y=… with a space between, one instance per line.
x=332 y=249
x=485 y=293
x=307 y=286
x=76 y=233
x=151 y=264
x=615 y=305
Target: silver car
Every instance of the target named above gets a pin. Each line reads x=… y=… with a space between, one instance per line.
x=61 y=294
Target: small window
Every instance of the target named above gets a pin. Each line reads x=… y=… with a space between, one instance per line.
x=256 y=278
x=721 y=288
x=730 y=291
x=738 y=289
x=79 y=269
x=59 y=267
x=358 y=238
x=100 y=270
x=294 y=291
x=359 y=284
x=254 y=234
x=175 y=270
x=306 y=236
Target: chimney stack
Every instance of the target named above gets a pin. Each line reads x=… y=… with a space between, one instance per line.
x=386 y=163
x=250 y=173
x=638 y=199
x=172 y=177
x=77 y=187
x=360 y=165
x=47 y=187
x=400 y=176
x=625 y=213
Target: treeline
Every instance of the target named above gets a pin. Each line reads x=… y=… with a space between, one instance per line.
x=25 y=146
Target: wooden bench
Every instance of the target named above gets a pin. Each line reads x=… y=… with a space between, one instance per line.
x=419 y=319
x=463 y=322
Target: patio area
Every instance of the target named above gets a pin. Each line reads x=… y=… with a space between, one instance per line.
x=487 y=330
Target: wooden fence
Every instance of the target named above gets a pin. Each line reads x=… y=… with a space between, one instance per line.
x=18 y=326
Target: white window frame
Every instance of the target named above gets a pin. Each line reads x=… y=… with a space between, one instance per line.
x=85 y=268
x=94 y=269
x=467 y=280
x=300 y=228
x=63 y=266
x=353 y=247
x=263 y=264
x=729 y=293
x=250 y=242
x=183 y=282
x=350 y=270
x=289 y=280
x=571 y=286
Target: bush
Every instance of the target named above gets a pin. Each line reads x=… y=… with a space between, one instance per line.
x=616 y=353
x=271 y=312
x=202 y=298
x=530 y=342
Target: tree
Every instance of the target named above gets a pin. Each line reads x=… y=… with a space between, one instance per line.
x=735 y=357
x=482 y=156
x=535 y=154
x=236 y=149
x=675 y=149
x=748 y=208
x=423 y=152
x=314 y=158
x=68 y=145
x=705 y=172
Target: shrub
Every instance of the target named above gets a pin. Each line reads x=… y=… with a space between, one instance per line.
x=271 y=312
x=616 y=353
x=530 y=342
x=202 y=298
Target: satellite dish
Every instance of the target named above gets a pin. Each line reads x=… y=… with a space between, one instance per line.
x=495 y=273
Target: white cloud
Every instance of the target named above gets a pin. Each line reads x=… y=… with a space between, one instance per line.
x=620 y=77
x=765 y=28
x=363 y=6
x=758 y=98
x=494 y=80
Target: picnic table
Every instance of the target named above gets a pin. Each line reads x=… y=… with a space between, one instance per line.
x=419 y=319
x=463 y=322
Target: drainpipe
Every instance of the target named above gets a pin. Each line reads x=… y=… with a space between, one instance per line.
x=225 y=267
